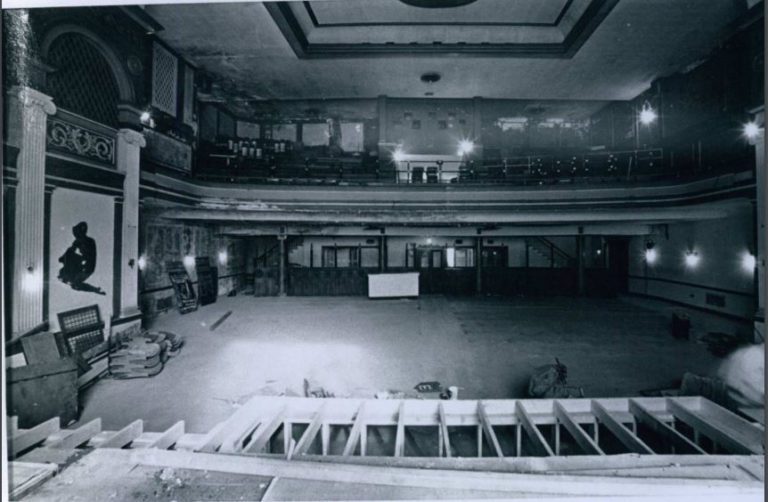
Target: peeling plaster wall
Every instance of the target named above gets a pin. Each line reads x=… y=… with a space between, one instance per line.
x=165 y=240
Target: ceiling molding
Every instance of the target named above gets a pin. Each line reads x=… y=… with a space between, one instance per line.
x=297 y=38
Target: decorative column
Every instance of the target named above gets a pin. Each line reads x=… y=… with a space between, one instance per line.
x=580 y=262
x=28 y=112
x=479 y=263
x=281 y=265
x=129 y=145
x=383 y=251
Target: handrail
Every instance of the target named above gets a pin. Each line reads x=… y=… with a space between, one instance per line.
x=554 y=247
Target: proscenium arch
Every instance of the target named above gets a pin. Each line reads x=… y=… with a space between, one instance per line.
x=124 y=84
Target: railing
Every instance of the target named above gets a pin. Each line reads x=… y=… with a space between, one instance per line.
x=591 y=167
x=72 y=135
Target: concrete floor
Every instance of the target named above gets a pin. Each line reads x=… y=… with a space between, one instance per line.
x=357 y=347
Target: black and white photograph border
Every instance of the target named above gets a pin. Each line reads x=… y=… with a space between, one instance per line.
x=383 y=250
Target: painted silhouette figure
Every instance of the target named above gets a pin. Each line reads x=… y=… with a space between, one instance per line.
x=79 y=261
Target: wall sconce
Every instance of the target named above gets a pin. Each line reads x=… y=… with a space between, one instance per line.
x=692 y=259
x=189 y=261
x=651 y=255
x=142 y=262
x=223 y=257
x=647 y=114
x=748 y=262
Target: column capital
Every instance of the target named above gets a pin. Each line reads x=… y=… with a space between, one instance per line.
x=32 y=98
x=132 y=137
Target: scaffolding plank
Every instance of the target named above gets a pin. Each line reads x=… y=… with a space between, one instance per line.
x=723 y=427
x=354 y=434
x=76 y=437
x=444 y=428
x=681 y=443
x=586 y=443
x=539 y=443
x=488 y=428
x=306 y=439
x=627 y=438
x=265 y=432
x=124 y=435
x=25 y=439
x=400 y=435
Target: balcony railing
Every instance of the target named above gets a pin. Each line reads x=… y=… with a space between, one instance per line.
x=591 y=167
x=80 y=138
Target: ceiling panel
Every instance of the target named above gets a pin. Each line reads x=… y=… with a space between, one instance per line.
x=377 y=13
x=638 y=41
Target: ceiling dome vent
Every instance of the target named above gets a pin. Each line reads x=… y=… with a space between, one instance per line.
x=431 y=77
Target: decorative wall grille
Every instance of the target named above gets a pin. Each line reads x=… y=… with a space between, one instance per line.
x=165 y=68
x=82 y=81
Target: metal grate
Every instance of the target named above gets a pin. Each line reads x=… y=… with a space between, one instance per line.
x=83 y=81
x=164 y=72
x=82 y=328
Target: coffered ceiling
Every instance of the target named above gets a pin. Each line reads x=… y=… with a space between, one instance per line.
x=511 y=49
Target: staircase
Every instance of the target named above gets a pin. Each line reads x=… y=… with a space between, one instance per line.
x=551 y=254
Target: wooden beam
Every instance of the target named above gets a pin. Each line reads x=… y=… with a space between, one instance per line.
x=488 y=428
x=212 y=440
x=436 y=478
x=680 y=443
x=124 y=435
x=354 y=433
x=265 y=432
x=540 y=445
x=27 y=438
x=268 y=495
x=169 y=437
x=26 y=476
x=582 y=438
x=723 y=427
x=76 y=437
x=627 y=438
x=444 y=428
x=311 y=432
x=400 y=434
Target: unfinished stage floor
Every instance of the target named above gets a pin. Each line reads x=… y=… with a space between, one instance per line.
x=352 y=346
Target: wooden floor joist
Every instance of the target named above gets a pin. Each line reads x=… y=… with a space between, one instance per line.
x=74 y=438
x=488 y=428
x=680 y=443
x=587 y=444
x=539 y=444
x=627 y=438
x=354 y=433
x=344 y=424
x=124 y=436
x=27 y=438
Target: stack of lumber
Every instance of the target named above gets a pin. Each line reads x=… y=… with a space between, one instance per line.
x=138 y=358
x=138 y=353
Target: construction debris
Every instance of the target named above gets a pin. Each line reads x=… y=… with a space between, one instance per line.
x=551 y=381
